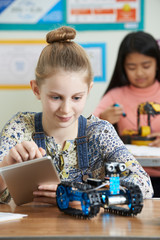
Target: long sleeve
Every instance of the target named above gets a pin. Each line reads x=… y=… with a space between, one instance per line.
x=117 y=151
x=19 y=128
x=105 y=102
x=111 y=149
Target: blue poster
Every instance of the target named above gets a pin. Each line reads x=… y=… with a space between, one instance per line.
x=30 y=14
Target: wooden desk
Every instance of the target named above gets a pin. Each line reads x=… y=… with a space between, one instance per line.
x=47 y=222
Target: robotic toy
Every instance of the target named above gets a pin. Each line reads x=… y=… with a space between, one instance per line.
x=113 y=193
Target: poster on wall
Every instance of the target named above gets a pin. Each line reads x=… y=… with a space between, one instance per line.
x=80 y=14
x=30 y=14
x=97 y=56
x=18 y=60
x=113 y=13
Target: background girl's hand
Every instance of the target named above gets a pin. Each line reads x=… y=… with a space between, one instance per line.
x=46 y=194
x=156 y=142
x=24 y=151
x=112 y=114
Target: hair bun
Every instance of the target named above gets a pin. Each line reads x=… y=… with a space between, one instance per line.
x=62 y=34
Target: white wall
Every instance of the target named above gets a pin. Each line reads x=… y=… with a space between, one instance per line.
x=12 y=101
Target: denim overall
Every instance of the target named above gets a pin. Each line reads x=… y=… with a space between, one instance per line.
x=81 y=140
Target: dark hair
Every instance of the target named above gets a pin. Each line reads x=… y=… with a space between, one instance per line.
x=62 y=53
x=139 y=42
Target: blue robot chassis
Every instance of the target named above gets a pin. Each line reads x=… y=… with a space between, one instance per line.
x=112 y=193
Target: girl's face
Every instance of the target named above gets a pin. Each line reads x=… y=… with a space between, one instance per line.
x=140 y=69
x=63 y=97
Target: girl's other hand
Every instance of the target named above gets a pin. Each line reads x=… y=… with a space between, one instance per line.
x=46 y=194
x=112 y=114
x=156 y=142
x=24 y=151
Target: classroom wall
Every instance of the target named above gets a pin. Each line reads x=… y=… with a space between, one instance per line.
x=13 y=101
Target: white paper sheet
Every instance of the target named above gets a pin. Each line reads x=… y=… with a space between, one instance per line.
x=6 y=216
x=143 y=150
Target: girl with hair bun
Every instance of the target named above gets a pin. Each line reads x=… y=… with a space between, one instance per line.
x=78 y=146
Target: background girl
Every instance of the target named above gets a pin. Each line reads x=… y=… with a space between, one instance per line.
x=135 y=80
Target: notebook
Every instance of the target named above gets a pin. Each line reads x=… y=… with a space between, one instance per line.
x=24 y=178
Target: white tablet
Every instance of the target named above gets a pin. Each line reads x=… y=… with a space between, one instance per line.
x=24 y=178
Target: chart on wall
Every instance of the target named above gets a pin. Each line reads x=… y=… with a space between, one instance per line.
x=18 y=60
x=84 y=15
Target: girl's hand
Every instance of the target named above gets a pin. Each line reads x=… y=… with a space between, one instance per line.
x=112 y=114
x=46 y=194
x=156 y=142
x=24 y=151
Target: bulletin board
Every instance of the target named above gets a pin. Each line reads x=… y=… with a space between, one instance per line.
x=83 y=15
x=18 y=60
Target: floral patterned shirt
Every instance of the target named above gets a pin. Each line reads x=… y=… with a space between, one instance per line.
x=103 y=145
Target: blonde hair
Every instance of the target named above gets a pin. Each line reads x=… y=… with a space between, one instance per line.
x=62 y=53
